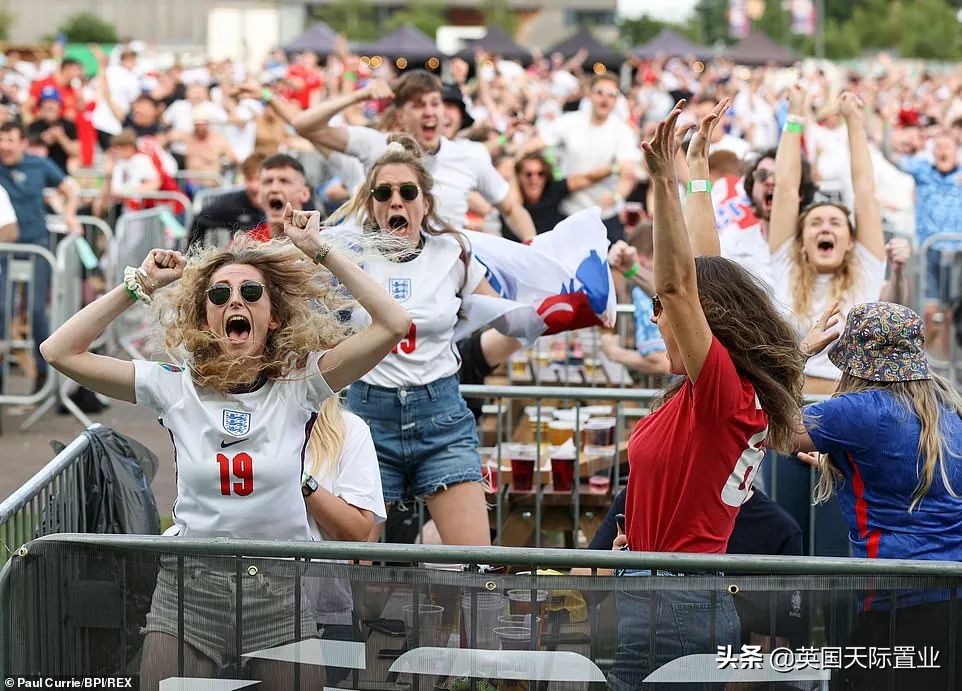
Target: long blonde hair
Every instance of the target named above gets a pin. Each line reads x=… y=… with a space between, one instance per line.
x=924 y=399
x=327 y=439
x=803 y=273
x=361 y=205
x=303 y=300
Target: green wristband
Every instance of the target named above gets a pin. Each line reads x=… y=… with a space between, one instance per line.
x=699 y=186
x=795 y=127
x=266 y=95
x=632 y=272
x=133 y=295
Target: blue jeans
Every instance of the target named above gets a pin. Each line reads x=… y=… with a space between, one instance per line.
x=658 y=626
x=425 y=436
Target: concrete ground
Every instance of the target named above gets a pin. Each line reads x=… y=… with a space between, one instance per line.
x=22 y=454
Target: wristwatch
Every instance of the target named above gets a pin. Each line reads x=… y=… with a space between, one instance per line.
x=308 y=485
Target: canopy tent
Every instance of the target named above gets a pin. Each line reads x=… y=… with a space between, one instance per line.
x=496 y=43
x=758 y=49
x=319 y=38
x=671 y=44
x=404 y=42
x=583 y=39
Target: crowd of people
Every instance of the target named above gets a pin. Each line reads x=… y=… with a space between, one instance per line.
x=725 y=194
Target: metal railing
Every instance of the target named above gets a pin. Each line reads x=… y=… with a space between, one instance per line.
x=17 y=266
x=60 y=483
x=949 y=366
x=75 y=604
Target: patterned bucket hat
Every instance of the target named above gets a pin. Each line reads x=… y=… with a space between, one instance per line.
x=882 y=341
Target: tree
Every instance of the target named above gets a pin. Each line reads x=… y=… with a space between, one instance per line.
x=710 y=20
x=6 y=21
x=353 y=18
x=497 y=13
x=86 y=27
x=929 y=29
x=775 y=22
x=426 y=15
x=636 y=31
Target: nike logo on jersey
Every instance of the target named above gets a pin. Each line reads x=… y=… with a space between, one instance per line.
x=225 y=444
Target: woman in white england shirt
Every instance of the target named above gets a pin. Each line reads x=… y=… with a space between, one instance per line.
x=818 y=255
x=258 y=363
x=425 y=436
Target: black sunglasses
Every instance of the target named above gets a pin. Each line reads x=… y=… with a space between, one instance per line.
x=656 y=306
x=220 y=293
x=409 y=192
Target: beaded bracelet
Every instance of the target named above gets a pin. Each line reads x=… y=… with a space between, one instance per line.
x=322 y=253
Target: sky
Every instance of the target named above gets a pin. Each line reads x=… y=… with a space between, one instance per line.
x=666 y=10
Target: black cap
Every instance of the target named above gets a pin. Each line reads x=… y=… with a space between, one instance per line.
x=451 y=93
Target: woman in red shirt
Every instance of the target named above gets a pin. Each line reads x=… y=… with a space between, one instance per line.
x=693 y=459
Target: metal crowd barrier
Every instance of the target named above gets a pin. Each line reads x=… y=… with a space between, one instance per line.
x=215 y=179
x=136 y=233
x=423 y=617
x=208 y=195
x=950 y=276
x=17 y=270
x=59 y=482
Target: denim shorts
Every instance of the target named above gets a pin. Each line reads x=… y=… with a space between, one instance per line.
x=425 y=436
x=658 y=626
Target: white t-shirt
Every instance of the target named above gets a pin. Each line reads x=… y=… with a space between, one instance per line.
x=736 y=145
x=429 y=287
x=583 y=147
x=460 y=166
x=871 y=270
x=7 y=214
x=130 y=173
x=239 y=457
x=355 y=478
x=748 y=247
x=124 y=90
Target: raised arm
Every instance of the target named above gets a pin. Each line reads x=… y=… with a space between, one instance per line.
x=868 y=218
x=357 y=355
x=314 y=123
x=788 y=173
x=67 y=348
x=675 y=280
x=699 y=212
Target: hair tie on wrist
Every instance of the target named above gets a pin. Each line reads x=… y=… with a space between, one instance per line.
x=134 y=284
x=699 y=186
x=632 y=272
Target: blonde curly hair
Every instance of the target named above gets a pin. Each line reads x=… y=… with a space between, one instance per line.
x=304 y=301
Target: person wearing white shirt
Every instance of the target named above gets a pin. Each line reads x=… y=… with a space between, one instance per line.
x=458 y=166
x=179 y=116
x=425 y=436
x=588 y=140
x=9 y=232
x=260 y=361
x=118 y=87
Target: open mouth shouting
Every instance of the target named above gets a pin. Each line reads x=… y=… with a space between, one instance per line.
x=825 y=246
x=276 y=203
x=237 y=328
x=397 y=223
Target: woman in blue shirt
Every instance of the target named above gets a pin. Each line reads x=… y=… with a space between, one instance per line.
x=890 y=442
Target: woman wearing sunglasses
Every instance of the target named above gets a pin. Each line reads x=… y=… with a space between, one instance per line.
x=694 y=458
x=425 y=436
x=259 y=359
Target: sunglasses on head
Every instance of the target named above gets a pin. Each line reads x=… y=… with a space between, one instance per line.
x=250 y=291
x=656 y=306
x=409 y=192
x=763 y=175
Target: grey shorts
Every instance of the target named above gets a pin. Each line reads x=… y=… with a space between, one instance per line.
x=211 y=620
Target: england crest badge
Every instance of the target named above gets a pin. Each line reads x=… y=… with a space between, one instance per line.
x=399 y=288
x=237 y=423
